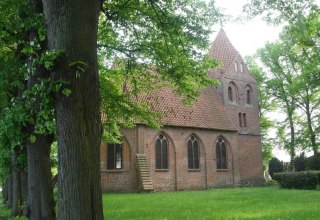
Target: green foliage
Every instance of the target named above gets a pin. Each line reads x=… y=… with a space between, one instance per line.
x=298 y=180
x=148 y=45
x=292 y=83
x=279 y=11
x=299 y=162
x=26 y=101
x=293 y=63
x=275 y=166
x=313 y=162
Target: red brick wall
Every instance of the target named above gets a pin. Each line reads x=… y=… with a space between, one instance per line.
x=244 y=160
x=179 y=177
x=251 y=170
x=124 y=179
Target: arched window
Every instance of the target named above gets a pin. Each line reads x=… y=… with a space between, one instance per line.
x=230 y=95
x=248 y=96
x=236 y=66
x=193 y=153
x=221 y=154
x=248 y=91
x=240 y=120
x=161 y=152
x=114 y=156
x=244 y=120
x=233 y=93
x=241 y=67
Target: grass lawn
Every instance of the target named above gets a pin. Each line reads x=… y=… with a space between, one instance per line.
x=236 y=203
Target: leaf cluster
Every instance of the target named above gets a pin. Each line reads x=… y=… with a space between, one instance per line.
x=148 y=45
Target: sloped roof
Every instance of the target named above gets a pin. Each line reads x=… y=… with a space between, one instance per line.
x=206 y=112
x=223 y=50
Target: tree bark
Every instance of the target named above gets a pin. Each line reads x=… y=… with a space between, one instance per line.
x=10 y=191
x=40 y=190
x=72 y=27
x=24 y=185
x=16 y=187
x=311 y=132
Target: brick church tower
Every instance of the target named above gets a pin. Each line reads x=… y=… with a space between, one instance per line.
x=238 y=93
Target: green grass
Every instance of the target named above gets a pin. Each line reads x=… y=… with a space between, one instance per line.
x=236 y=203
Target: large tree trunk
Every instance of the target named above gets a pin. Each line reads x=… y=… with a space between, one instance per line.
x=40 y=203
x=72 y=27
x=40 y=189
x=10 y=191
x=16 y=187
x=24 y=185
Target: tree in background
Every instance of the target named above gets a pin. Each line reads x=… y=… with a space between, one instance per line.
x=293 y=63
x=27 y=114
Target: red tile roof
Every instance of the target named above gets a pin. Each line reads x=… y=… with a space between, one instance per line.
x=223 y=50
x=206 y=112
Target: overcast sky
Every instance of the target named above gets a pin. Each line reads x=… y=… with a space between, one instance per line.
x=249 y=36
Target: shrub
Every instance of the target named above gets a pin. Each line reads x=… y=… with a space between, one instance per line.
x=313 y=162
x=298 y=180
x=299 y=162
x=275 y=166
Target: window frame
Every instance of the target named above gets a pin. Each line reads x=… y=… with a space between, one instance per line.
x=164 y=157
x=230 y=94
x=221 y=160
x=244 y=115
x=233 y=93
x=112 y=164
x=194 y=156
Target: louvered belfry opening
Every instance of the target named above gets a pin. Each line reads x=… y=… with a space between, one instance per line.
x=144 y=173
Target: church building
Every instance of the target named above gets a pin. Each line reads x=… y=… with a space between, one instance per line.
x=213 y=143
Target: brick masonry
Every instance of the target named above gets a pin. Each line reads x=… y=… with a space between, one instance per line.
x=244 y=153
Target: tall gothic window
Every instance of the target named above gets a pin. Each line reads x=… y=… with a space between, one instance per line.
x=240 y=120
x=236 y=66
x=161 y=152
x=248 y=97
x=221 y=154
x=244 y=120
x=230 y=95
x=114 y=156
x=241 y=67
x=193 y=153
x=233 y=93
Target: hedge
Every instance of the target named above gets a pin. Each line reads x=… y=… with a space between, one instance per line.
x=275 y=166
x=298 y=180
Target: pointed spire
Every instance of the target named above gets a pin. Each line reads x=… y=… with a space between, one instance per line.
x=223 y=50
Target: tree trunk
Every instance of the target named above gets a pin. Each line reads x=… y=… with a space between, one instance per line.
x=24 y=185
x=40 y=190
x=72 y=27
x=5 y=191
x=10 y=191
x=311 y=132
x=16 y=187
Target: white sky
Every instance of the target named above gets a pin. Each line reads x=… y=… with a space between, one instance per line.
x=249 y=36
